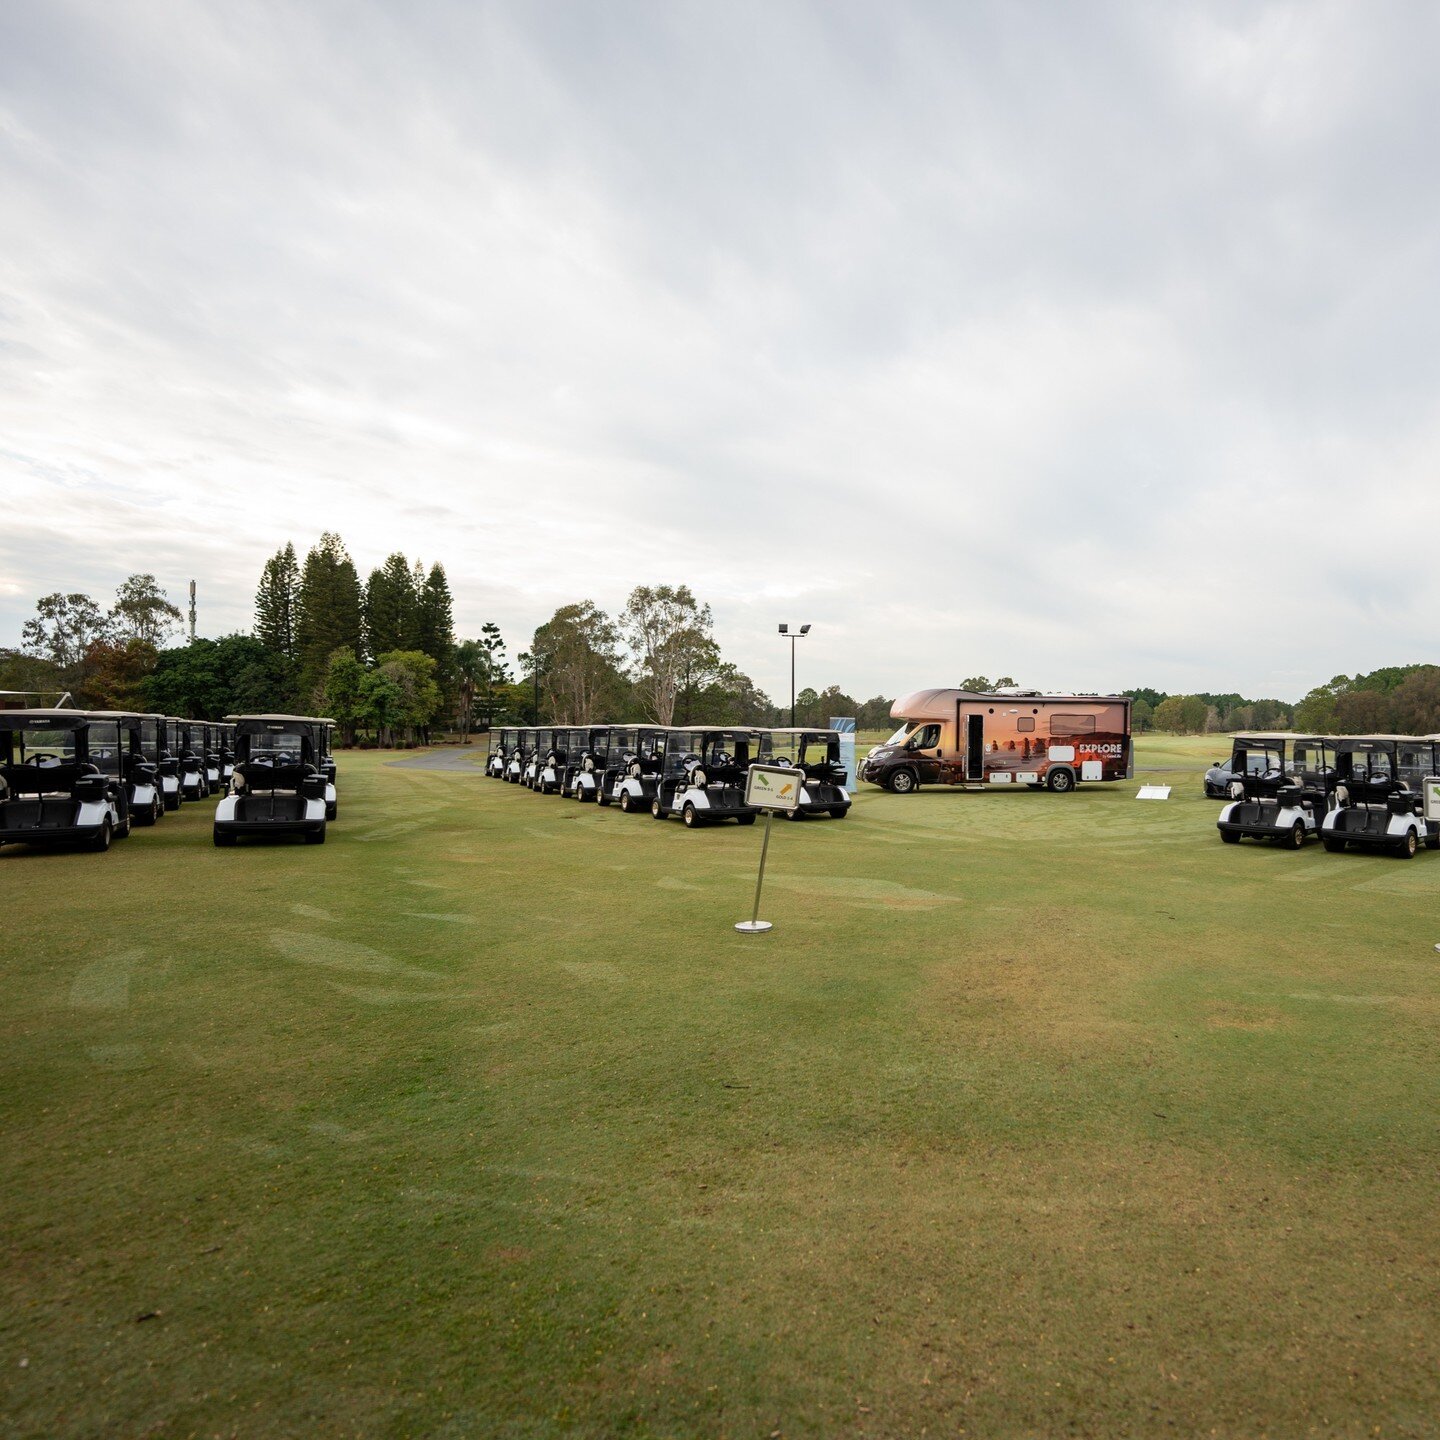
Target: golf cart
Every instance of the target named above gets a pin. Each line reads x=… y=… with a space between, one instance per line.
x=632 y=769
x=211 y=753
x=553 y=759
x=188 y=750
x=501 y=743
x=1379 y=794
x=278 y=787
x=535 y=758
x=225 y=744
x=52 y=790
x=134 y=741
x=589 y=755
x=702 y=776
x=171 y=790
x=324 y=733
x=817 y=754
x=1279 y=789
x=518 y=755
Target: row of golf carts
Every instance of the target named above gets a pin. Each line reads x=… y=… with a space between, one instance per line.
x=87 y=777
x=694 y=774
x=1375 y=792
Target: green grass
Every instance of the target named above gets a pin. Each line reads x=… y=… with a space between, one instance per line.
x=1034 y=1115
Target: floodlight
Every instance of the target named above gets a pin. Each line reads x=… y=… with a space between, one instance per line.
x=784 y=629
x=804 y=629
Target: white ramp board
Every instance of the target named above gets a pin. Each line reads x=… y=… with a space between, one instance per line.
x=1153 y=792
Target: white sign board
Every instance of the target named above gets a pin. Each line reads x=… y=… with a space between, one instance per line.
x=1432 y=800
x=773 y=787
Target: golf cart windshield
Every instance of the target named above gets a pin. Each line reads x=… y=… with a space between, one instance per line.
x=1255 y=757
x=1417 y=760
x=1371 y=765
x=104 y=746
x=36 y=743
x=281 y=745
x=1313 y=756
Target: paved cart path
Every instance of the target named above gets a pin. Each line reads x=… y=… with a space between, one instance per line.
x=467 y=761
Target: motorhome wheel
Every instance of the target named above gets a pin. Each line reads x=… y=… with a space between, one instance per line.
x=1060 y=781
x=903 y=782
x=102 y=840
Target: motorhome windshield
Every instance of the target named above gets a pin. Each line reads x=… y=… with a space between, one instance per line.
x=900 y=734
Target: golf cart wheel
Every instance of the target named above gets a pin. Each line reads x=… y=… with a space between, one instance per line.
x=223 y=840
x=331 y=811
x=839 y=812
x=1408 y=846
x=601 y=798
x=102 y=840
x=903 y=782
x=690 y=815
x=1333 y=845
x=157 y=809
x=1432 y=842
x=315 y=837
x=656 y=813
x=1297 y=836
x=172 y=802
x=748 y=819
x=1229 y=837
x=625 y=801
x=1060 y=781
x=122 y=830
x=796 y=814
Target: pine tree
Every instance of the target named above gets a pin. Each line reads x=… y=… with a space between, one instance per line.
x=329 y=610
x=435 y=627
x=390 y=606
x=276 y=599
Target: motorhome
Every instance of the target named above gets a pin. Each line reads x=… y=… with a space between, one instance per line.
x=1008 y=737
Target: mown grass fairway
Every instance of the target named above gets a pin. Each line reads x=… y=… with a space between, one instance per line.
x=1035 y=1115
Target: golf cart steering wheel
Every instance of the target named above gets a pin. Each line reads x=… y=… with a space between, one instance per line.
x=723 y=758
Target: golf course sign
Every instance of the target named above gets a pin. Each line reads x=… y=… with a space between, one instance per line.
x=773 y=787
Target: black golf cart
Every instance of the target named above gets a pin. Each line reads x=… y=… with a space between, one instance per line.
x=589 y=752
x=278 y=787
x=632 y=769
x=817 y=754
x=501 y=742
x=540 y=740
x=702 y=776
x=1280 y=788
x=518 y=754
x=53 y=791
x=1379 y=795
x=553 y=760
x=134 y=742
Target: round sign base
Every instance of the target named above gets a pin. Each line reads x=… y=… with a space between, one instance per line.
x=754 y=927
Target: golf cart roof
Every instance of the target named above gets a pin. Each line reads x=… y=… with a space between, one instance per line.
x=49 y=719
x=270 y=719
x=799 y=730
x=123 y=715
x=1352 y=741
x=713 y=729
x=1272 y=735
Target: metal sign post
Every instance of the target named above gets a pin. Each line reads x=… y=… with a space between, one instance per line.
x=768 y=788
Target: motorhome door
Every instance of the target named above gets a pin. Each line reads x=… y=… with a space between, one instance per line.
x=974 y=747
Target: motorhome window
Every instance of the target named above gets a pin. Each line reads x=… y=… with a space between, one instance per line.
x=925 y=737
x=1024 y=725
x=1063 y=724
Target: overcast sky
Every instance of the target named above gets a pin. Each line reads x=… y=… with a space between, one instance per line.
x=1095 y=344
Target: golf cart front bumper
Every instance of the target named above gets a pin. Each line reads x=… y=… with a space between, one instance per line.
x=1264 y=822
x=821 y=799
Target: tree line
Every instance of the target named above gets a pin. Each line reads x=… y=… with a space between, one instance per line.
x=381 y=656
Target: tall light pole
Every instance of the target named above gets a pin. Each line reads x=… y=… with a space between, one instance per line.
x=792 y=636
